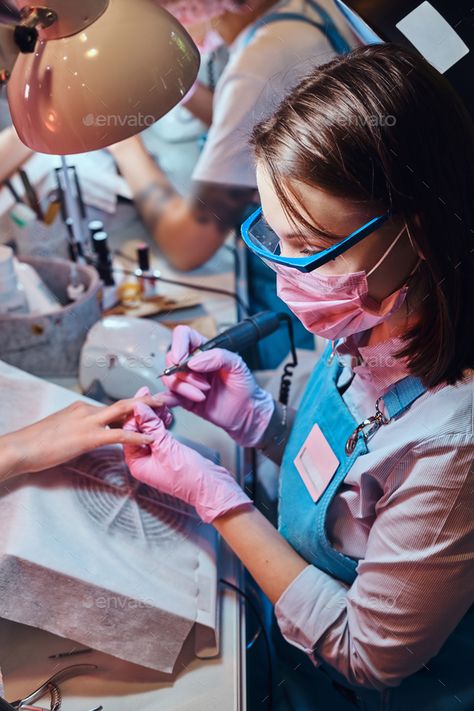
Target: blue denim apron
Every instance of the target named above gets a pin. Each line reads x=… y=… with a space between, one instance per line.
x=447 y=681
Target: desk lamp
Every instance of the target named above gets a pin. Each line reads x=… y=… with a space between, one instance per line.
x=83 y=75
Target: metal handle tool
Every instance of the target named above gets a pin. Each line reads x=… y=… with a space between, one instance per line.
x=67 y=673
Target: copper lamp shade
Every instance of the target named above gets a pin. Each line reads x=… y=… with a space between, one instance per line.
x=124 y=67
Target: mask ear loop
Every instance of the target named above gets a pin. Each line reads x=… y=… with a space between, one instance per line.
x=387 y=251
x=415 y=267
x=413 y=246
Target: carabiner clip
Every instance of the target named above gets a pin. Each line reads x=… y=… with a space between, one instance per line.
x=376 y=421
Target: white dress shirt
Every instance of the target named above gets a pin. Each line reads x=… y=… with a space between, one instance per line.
x=405 y=512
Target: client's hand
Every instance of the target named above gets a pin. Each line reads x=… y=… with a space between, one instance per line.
x=71 y=432
x=179 y=471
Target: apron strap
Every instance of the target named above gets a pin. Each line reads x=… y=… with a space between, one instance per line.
x=396 y=401
x=328 y=27
x=402 y=395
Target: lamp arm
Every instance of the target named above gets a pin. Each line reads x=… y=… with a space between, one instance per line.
x=19 y=33
x=56 y=19
x=22 y=22
x=15 y=38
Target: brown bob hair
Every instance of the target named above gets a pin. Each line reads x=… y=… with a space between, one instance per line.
x=381 y=126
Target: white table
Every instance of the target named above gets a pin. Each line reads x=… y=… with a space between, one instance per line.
x=212 y=684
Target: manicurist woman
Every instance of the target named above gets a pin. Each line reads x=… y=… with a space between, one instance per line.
x=365 y=175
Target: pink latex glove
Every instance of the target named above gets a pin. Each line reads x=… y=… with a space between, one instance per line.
x=161 y=409
x=179 y=471
x=218 y=387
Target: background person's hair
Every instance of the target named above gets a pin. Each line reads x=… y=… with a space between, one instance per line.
x=382 y=127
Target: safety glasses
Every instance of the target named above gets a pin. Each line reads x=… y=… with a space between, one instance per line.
x=264 y=242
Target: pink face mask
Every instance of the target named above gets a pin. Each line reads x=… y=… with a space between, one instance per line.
x=337 y=306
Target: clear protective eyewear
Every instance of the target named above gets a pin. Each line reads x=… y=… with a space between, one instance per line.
x=264 y=242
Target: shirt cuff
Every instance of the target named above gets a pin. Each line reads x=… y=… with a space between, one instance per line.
x=308 y=607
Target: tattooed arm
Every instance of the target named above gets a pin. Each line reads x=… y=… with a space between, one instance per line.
x=187 y=230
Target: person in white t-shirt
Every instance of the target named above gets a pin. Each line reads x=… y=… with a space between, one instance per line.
x=258 y=75
x=267 y=59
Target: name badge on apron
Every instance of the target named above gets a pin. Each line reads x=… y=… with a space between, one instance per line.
x=316 y=463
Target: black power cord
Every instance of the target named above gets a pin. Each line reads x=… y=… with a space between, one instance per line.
x=253 y=607
x=285 y=384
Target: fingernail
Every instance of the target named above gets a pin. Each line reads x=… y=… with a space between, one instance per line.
x=142 y=392
x=148 y=439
